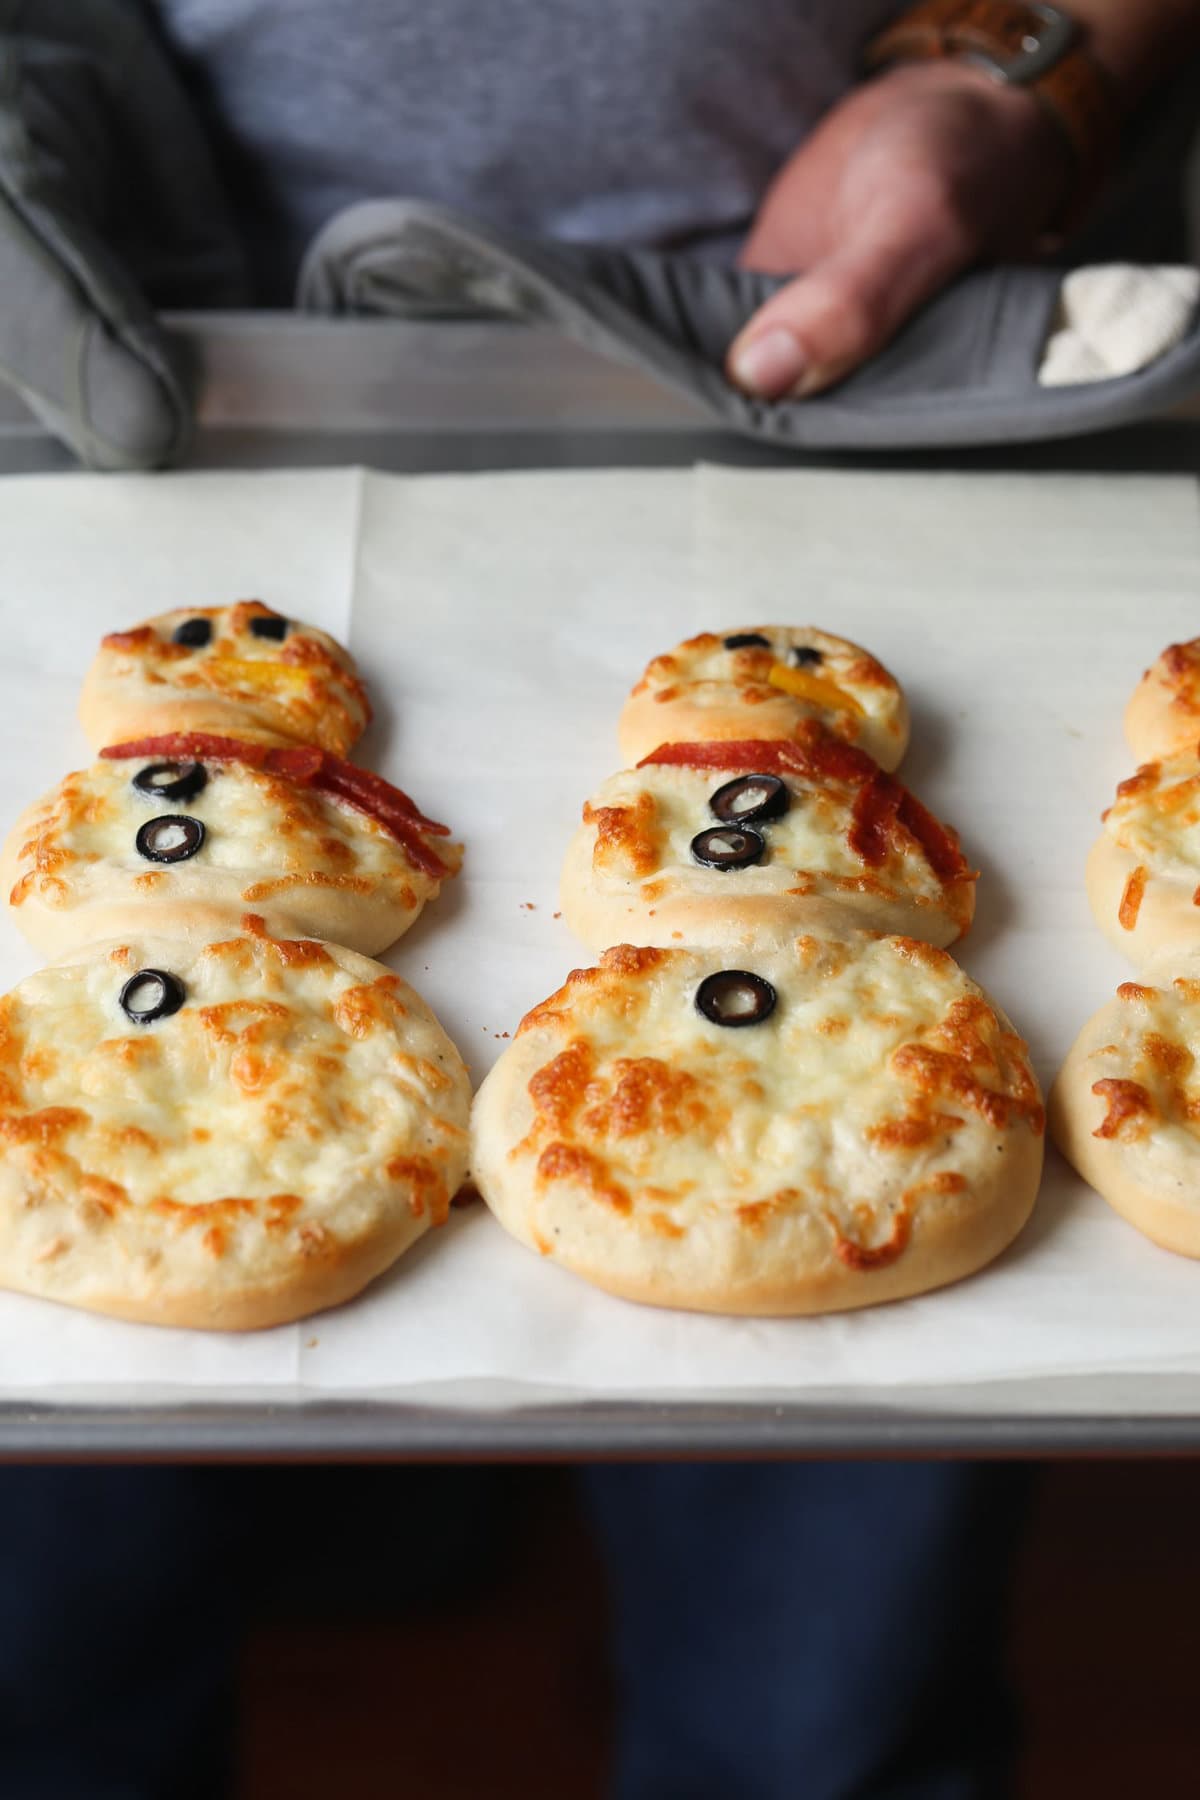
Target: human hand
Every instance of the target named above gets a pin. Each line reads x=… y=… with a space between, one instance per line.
x=906 y=181
x=107 y=204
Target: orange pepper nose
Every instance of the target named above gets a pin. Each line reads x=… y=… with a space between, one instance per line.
x=815 y=688
x=260 y=674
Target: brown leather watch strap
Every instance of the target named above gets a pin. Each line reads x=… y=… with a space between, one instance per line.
x=1037 y=47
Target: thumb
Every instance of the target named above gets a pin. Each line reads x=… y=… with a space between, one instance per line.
x=819 y=327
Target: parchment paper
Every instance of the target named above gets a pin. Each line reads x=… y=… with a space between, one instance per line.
x=499 y=620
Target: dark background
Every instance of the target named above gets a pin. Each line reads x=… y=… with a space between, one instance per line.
x=378 y=1664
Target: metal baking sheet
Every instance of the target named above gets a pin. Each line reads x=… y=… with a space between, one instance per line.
x=422 y=398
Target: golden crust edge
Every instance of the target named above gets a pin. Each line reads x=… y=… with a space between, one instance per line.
x=943 y=1251
x=1150 y=730
x=1167 y=925
x=367 y=925
x=753 y=921
x=107 y=721
x=966 y=1237
x=253 y=1307
x=1073 y=1113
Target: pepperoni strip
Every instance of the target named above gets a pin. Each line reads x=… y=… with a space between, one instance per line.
x=815 y=754
x=308 y=767
x=874 y=818
x=195 y=746
x=940 y=845
x=882 y=806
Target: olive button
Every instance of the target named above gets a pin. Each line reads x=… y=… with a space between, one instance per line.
x=194 y=633
x=735 y=997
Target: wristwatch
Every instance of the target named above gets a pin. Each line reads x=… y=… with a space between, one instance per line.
x=1041 y=48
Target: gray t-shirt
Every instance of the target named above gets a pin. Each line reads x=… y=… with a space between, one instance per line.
x=641 y=122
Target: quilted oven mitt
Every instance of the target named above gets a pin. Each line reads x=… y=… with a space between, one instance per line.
x=965 y=370
x=109 y=206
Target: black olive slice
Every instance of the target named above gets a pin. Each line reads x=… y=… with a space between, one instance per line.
x=747 y=640
x=268 y=626
x=756 y=798
x=806 y=656
x=170 y=839
x=727 y=847
x=171 y=780
x=735 y=997
x=195 y=633
x=151 y=994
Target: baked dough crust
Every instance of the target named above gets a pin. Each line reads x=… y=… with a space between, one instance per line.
x=630 y=876
x=1143 y=873
x=700 y=691
x=261 y=1153
x=308 y=863
x=878 y=1135
x=1125 y=1109
x=303 y=689
x=1163 y=922
x=1163 y=714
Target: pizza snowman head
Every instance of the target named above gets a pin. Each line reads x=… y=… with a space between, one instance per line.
x=1123 y=1109
x=242 y=670
x=765 y=681
x=226 y=1135
x=821 y=1124
x=1143 y=872
x=185 y=833
x=1163 y=714
x=730 y=842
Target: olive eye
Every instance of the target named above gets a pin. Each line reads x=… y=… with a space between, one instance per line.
x=751 y=797
x=170 y=839
x=727 y=847
x=195 y=633
x=151 y=994
x=269 y=625
x=171 y=780
x=735 y=997
x=747 y=640
x=806 y=656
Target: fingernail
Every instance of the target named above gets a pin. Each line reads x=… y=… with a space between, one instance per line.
x=769 y=364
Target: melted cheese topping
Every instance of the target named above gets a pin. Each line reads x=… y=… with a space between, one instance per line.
x=881 y=1071
x=1156 y=818
x=644 y=821
x=265 y=837
x=1147 y=1073
x=304 y=684
x=294 y=1087
x=846 y=679
x=1179 y=669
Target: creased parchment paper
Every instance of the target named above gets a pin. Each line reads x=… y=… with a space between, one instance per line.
x=499 y=620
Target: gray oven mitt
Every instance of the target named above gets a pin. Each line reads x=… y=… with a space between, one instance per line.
x=108 y=203
x=963 y=371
